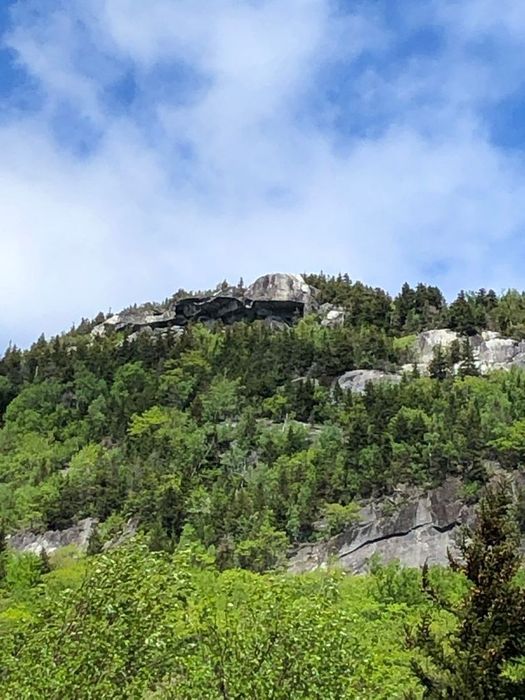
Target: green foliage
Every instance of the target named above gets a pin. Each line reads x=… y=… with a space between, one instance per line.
x=338 y=517
x=489 y=631
x=3 y=554
x=141 y=624
x=23 y=571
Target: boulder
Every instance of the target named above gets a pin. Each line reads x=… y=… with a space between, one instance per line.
x=331 y=316
x=357 y=379
x=282 y=286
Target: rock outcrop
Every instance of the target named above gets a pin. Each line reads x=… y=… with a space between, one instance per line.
x=282 y=287
x=278 y=299
x=491 y=350
x=410 y=527
x=78 y=535
x=357 y=379
x=428 y=341
x=331 y=316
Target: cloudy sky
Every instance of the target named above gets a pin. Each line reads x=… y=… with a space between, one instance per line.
x=147 y=146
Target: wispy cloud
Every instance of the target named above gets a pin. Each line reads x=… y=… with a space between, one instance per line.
x=173 y=143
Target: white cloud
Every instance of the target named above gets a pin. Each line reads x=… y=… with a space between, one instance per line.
x=265 y=188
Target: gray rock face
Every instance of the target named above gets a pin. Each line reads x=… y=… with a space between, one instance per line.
x=357 y=379
x=411 y=528
x=491 y=350
x=494 y=352
x=78 y=535
x=429 y=340
x=281 y=286
x=277 y=299
x=331 y=316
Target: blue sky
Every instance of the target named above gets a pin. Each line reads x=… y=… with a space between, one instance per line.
x=147 y=146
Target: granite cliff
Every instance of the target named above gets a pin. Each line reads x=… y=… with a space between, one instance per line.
x=410 y=526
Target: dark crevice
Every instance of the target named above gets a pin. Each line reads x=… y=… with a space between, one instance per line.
x=394 y=535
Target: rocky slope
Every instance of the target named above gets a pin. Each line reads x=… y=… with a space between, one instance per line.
x=280 y=299
x=411 y=526
x=78 y=535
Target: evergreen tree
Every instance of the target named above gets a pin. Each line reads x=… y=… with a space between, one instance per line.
x=469 y=663
x=463 y=316
x=468 y=365
x=439 y=365
x=95 y=542
x=454 y=353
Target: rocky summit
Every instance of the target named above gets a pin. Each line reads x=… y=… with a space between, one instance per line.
x=278 y=298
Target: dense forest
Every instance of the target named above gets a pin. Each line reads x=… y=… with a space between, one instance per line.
x=228 y=445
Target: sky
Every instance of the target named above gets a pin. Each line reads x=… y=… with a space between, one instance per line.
x=149 y=146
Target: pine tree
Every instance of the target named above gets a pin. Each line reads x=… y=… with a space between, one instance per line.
x=462 y=315
x=468 y=367
x=469 y=663
x=94 y=543
x=438 y=367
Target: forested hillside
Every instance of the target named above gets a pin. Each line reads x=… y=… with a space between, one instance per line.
x=238 y=431
x=228 y=444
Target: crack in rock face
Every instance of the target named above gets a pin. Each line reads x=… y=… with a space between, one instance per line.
x=411 y=527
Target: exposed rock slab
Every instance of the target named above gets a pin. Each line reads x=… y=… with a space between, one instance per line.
x=428 y=341
x=50 y=541
x=411 y=528
x=282 y=286
x=357 y=379
x=491 y=350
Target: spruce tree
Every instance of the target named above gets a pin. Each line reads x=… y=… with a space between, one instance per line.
x=468 y=664
x=439 y=366
x=468 y=365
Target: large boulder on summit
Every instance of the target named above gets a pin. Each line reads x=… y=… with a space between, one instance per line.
x=282 y=286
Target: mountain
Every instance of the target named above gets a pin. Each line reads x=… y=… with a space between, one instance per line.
x=162 y=469
x=250 y=414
